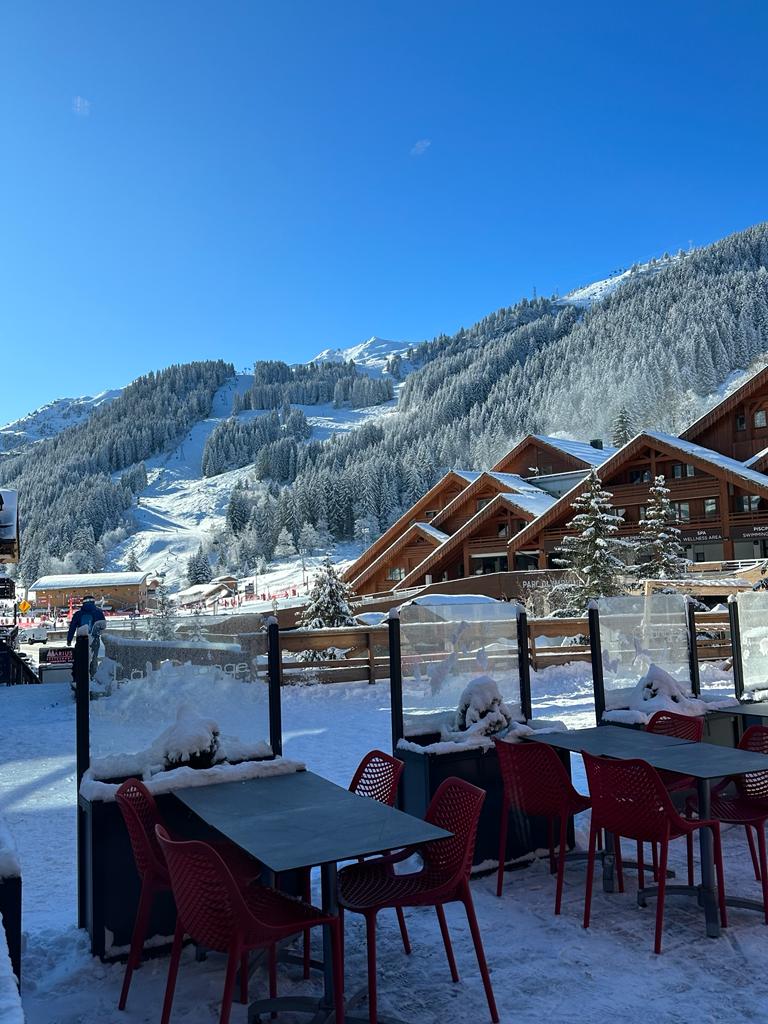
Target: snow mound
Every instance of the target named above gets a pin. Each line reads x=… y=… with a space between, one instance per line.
x=658 y=691
x=9 y=857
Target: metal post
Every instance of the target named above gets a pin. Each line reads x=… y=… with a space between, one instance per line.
x=275 y=676
x=738 y=664
x=524 y=664
x=598 y=683
x=82 y=680
x=395 y=677
x=693 y=649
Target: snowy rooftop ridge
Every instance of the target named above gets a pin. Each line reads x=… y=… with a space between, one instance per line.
x=756 y=458
x=579 y=449
x=433 y=531
x=90 y=579
x=536 y=504
x=739 y=469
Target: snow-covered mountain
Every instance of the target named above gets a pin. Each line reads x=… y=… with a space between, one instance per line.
x=590 y=294
x=369 y=356
x=51 y=419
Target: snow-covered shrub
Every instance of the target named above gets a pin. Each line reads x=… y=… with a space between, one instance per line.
x=191 y=740
x=482 y=709
x=329 y=601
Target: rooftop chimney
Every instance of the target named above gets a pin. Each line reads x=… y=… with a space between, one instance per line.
x=596 y=442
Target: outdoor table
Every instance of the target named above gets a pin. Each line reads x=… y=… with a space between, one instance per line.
x=756 y=709
x=297 y=821
x=704 y=762
x=607 y=740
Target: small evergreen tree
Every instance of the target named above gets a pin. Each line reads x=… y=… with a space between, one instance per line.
x=659 y=542
x=238 y=510
x=285 y=547
x=623 y=429
x=132 y=562
x=199 y=568
x=329 y=601
x=592 y=553
x=161 y=622
x=309 y=539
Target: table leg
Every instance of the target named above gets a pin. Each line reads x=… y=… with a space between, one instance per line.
x=707 y=848
x=328 y=878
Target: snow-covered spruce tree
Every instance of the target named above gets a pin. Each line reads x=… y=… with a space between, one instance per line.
x=329 y=601
x=238 y=510
x=658 y=545
x=132 y=562
x=623 y=429
x=199 y=568
x=285 y=548
x=161 y=622
x=592 y=553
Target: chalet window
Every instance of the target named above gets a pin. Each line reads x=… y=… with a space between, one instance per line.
x=503 y=530
x=396 y=573
x=682 y=511
x=679 y=470
x=546 y=469
x=482 y=502
x=639 y=476
x=760 y=418
x=641 y=512
x=621 y=512
x=741 y=421
x=710 y=508
x=747 y=502
x=430 y=514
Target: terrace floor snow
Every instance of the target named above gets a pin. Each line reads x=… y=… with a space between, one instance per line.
x=542 y=967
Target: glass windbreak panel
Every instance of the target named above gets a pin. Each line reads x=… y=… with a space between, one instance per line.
x=753 y=638
x=454 y=647
x=713 y=643
x=192 y=693
x=639 y=632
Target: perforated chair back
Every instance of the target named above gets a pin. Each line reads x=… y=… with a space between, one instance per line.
x=141 y=815
x=534 y=777
x=377 y=777
x=455 y=807
x=683 y=727
x=630 y=800
x=754 y=785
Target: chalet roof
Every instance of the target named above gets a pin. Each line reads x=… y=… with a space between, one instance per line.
x=581 y=450
x=720 y=465
x=427 y=530
x=511 y=501
x=757 y=460
x=728 y=404
x=512 y=481
x=80 y=581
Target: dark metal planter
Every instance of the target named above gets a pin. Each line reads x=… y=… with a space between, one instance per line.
x=10 y=912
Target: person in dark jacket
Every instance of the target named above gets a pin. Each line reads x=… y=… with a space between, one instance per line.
x=86 y=615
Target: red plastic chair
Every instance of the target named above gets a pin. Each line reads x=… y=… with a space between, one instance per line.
x=218 y=914
x=536 y=782
x=749 y=805
x=141 y=815
x=443 y=878
x=376 y=777
x=629 y=799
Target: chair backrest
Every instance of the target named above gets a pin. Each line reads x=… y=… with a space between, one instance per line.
x=534 y=777
x=683 y=727
x=455 y=807
x=141 y=815
x=377 y=777
x=629 y=799
x=208 y=901
x=754 y=785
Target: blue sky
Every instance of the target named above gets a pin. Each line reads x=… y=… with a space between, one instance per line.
x=252 y=180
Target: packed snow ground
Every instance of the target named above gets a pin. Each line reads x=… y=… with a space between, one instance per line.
x=542 y=967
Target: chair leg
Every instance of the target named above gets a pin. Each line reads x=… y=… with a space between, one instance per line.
x=447 y=941
x=590 y=875
x=480 y=953
x=619 y=862
x=718 y=851
x=661 y=894
x=403 y=930
x=753 y=852
x=229 y=984
x=689 y=851
x=244 y=978
x=561 y=861
x=272 y=968
x=551 y=837
x=337 y=936
x=173 y=970
x=655 y=856
x=640 y=866
x=307 y=896
x=763 y=866
x=370 y=934
x=503 y=826
x=137 y=939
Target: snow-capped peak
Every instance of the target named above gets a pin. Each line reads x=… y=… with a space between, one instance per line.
x=370 y=356
x=590 y=294
x=51 y=419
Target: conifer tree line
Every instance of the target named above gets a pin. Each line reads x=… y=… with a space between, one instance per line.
x=270 y=442
x=276 y=383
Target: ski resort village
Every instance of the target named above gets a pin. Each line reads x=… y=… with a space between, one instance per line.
x=421 y=679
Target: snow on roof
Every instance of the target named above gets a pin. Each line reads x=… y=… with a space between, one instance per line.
x=536 y=504
x=517 y=483
x=433 y=531
x=90 y=579
x=470 y=475
x=756 y=458
x=579 y=449
x=714 y=458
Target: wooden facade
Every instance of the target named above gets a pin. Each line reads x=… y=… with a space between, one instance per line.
x=722 y=505
x=57 y=592
x=737 y=426
x=537 y=455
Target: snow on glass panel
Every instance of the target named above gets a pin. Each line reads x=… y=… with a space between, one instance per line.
x=753 y=638
x=638 y=636
x=184 y=695
x=449 y=642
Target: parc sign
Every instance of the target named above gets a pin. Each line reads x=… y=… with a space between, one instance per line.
x=9 y=527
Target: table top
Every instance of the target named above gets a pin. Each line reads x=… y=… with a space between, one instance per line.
x=610 y=740
x=302 y=820
x=758 y=709
x=707 y=761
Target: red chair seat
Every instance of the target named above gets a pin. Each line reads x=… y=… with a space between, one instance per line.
x=368 y=885
x=282 y=912
x=739 y=810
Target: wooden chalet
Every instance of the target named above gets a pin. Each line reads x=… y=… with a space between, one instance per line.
x=721 y=504
x=539 y=455
x=737 y=426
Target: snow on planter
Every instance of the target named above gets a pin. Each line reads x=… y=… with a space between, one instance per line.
x=656 y=691
x=9 y=857
x=10 y=1003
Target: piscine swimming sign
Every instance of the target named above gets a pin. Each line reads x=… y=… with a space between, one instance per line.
x=9 y=527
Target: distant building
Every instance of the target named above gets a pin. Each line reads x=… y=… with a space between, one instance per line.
x=121 y=591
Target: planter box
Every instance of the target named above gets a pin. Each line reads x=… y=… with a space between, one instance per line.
x=425 y=771
x=10 y=912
